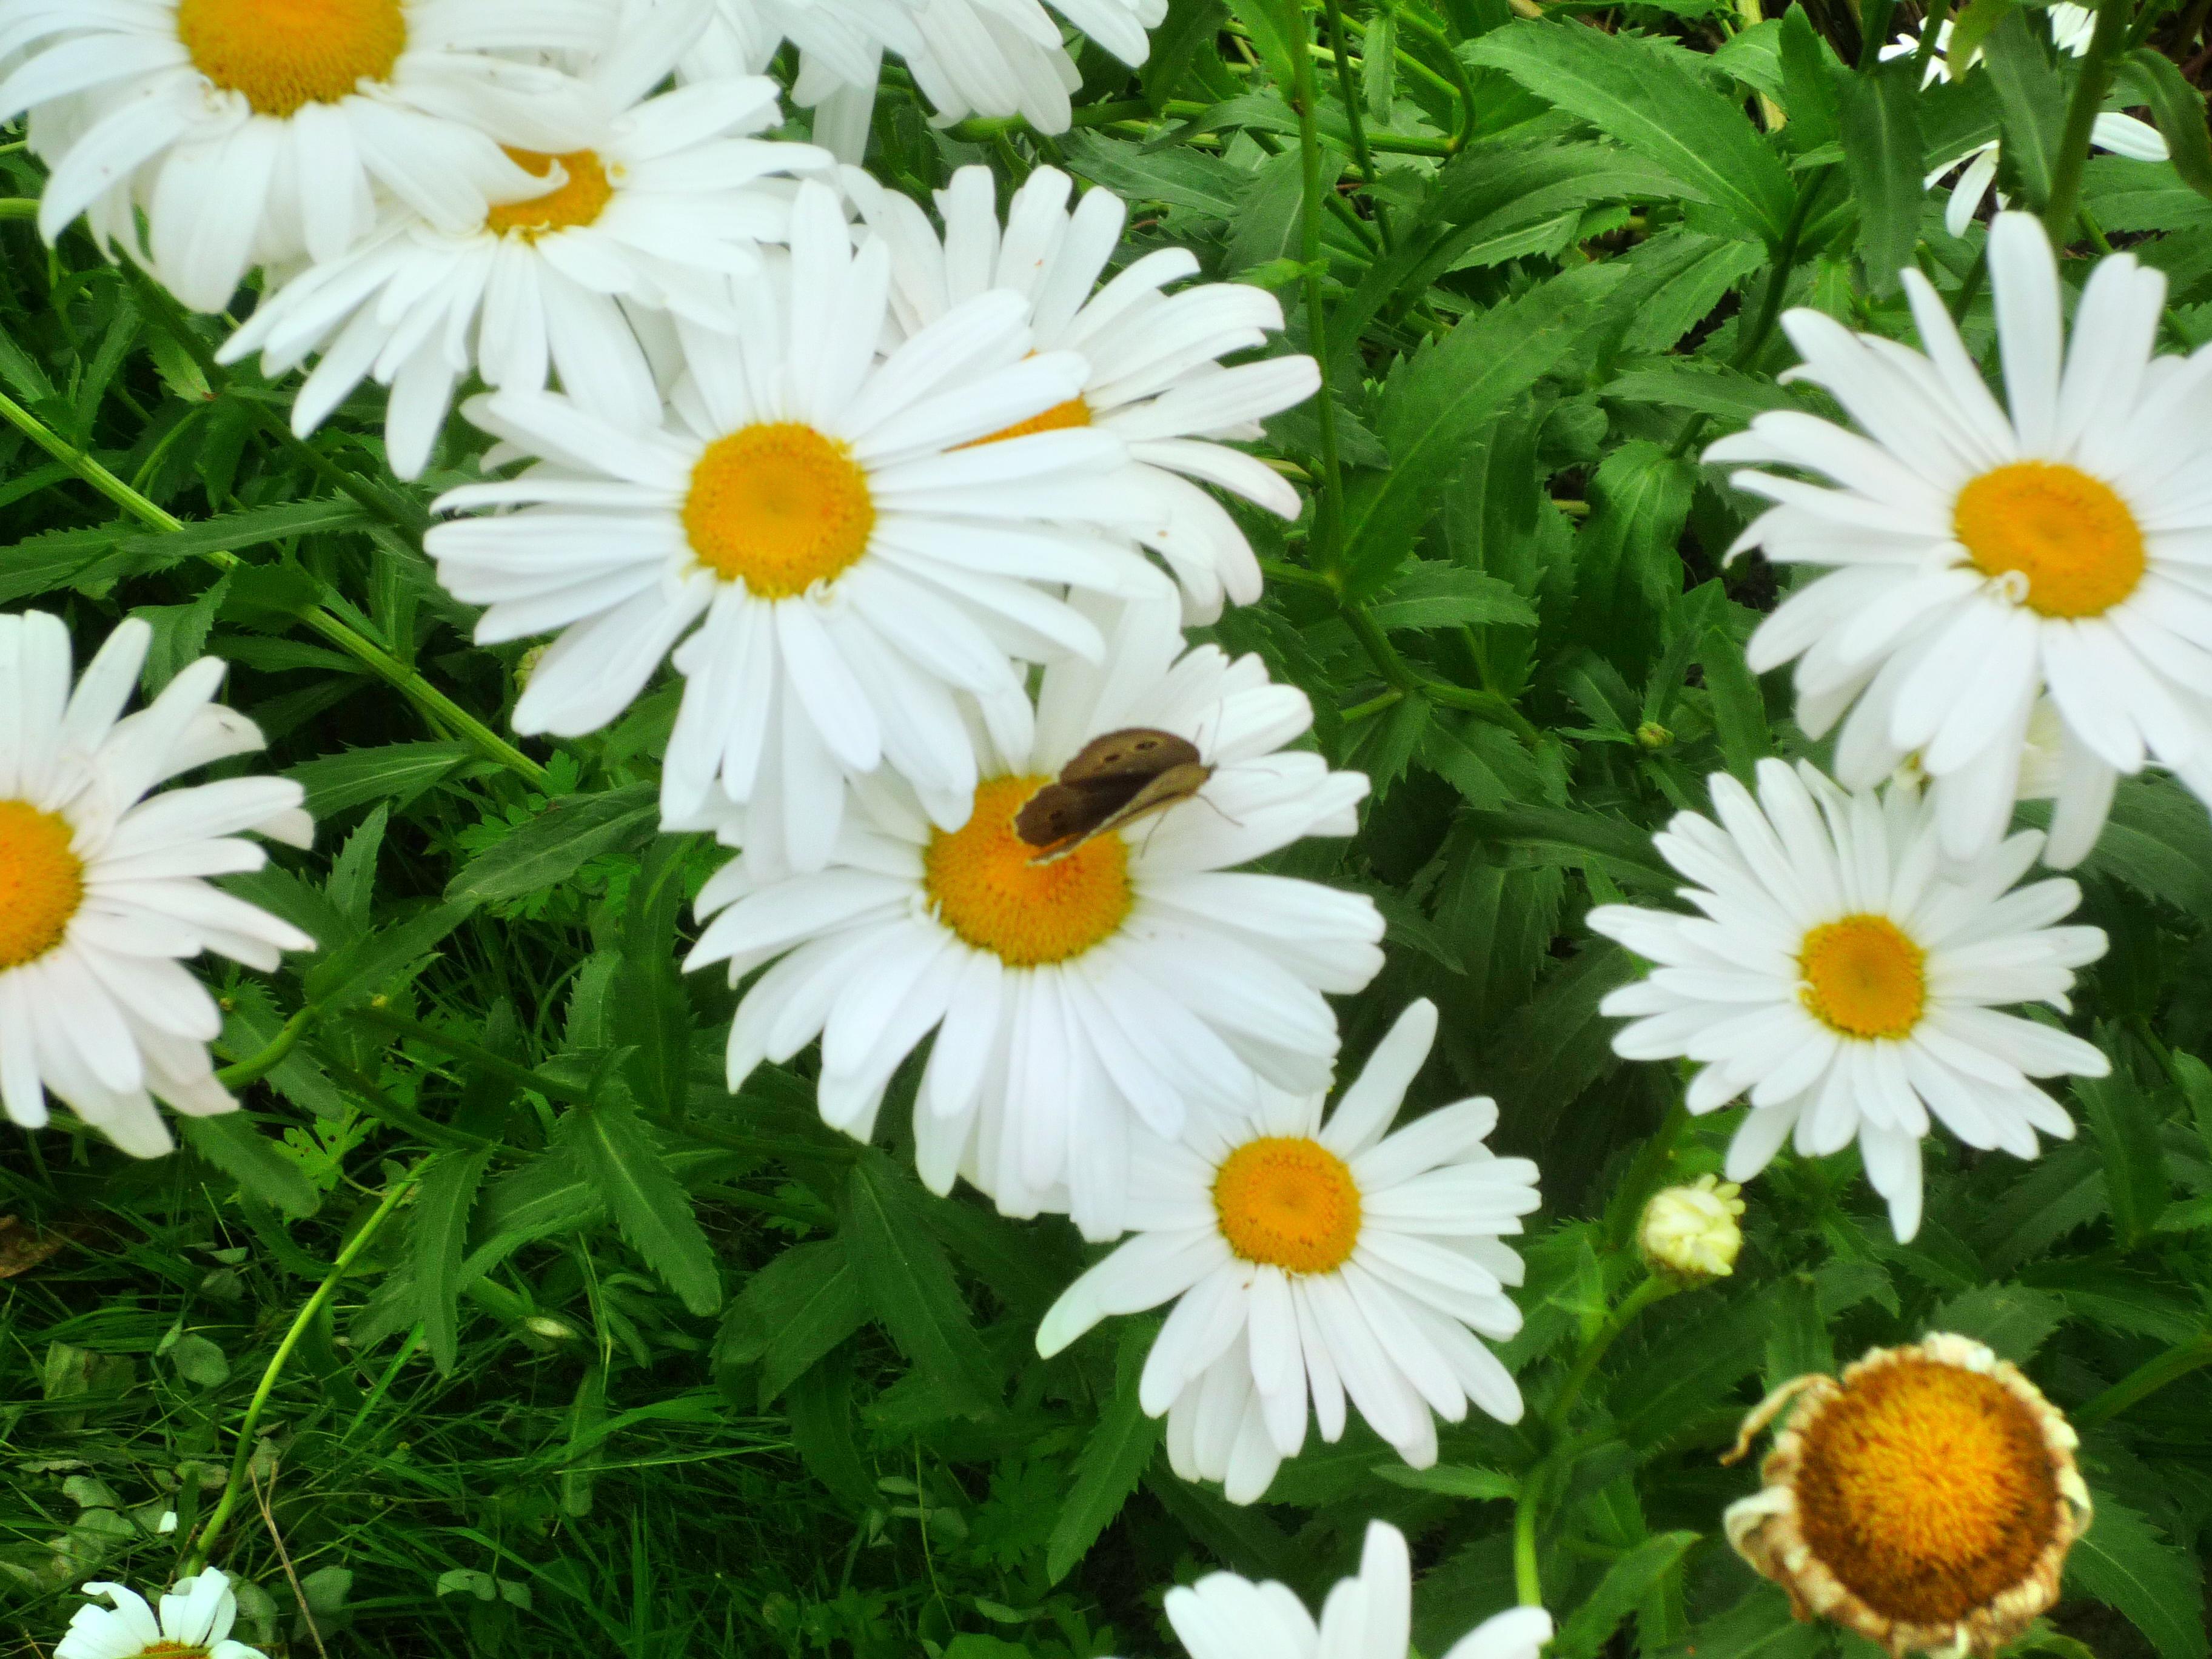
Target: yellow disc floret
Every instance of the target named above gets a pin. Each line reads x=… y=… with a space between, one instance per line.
x=984 y=886
x=1863 y=977
x=579 y=200
x=285 y=54
x=1288 y=1202
x=41 y=882
x=778 y=507
x=1926 y=1489
x=1059 y=418
x=2076 y=547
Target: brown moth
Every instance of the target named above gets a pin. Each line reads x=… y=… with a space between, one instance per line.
x=1112 y=782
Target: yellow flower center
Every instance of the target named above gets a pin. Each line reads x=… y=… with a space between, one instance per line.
x=579 y=200
x=41 y=882
x=284 y=54
x=1058 y=418
x=2074 y=541
x=1862 y=978
x=779 y=507
x=1926 y=1489
x=984 y=888
x=175 y=1650
x=1289 y=1202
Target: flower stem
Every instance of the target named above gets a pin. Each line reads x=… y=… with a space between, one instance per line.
x=1328 y=516
x=441 y=709
x=1360 y=153
x=2081 y=116
x=1653 y=1289
x=2171 y=1366
x=203 y=1544
x=1528 y=1581
x=255 y=1067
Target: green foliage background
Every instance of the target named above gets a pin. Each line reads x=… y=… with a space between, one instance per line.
x=646 y=1370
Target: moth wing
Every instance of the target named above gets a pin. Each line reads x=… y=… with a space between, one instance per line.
x=1138 y=752
x=1061 y=810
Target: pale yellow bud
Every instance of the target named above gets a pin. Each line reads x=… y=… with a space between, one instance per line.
x=526 y=664
x=1690 y=1232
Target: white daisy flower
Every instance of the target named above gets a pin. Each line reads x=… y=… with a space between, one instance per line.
x=1990 y=557
x=1321 y=1260
x=250 y=132
x=2072 y=28
x=1370 y=1616
x=102 y=892
x=1120 y=983
x=657 y=216
x=194 y=1623
x=997 y=58
x=1156 y=380
x=1850 y=981
x=840 y=54
x=854 y=564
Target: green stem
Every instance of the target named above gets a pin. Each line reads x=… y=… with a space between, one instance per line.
x=1528 y=1581
x=1461 y=87
x=1653 y=1289
x=19 y=207
x=441 y=709
x=1328 y=513
x=1360 y=154
x=2080 y=116
x=257 y=1066
x=1785 y=261
x=203 y=1545
x=1932 y=27
x=2171 y=1366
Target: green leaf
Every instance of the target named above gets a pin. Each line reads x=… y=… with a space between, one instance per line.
x=1647 y=99
x=550 y=1194
x=909 y=1287
x=230 y=1142
x=1178 y=178
x=570 y=832
x=398 y=772
x=1738 y=708
x=622 y=1162
x=2129 y=1564
x=1882 y=159
x=438 y=1236
x=1628 y=568
x=1760 y=1626
x=2159 y=843
x=2178 y=109
x=2126 y=1125
x=821 y=1411
x=1567 y=836
x=1113 y=1461
x=1439 y=401
x=1624 y=1584
x=359 y=969
x=1432 y=594
x=1449 y=1480
x=230 y=533
x=2013 y=1320
x=1971 y=27
x=793 y=1311
x=2030 y=107
x=651 y=1013
x=1808 y=83
x=1277 y=29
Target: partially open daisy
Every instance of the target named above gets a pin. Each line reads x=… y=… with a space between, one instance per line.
x=103 y=894
x=1369 y=1616
x=1850 y=983
x=658 y=216
x=1987 y=557
x=2072 y=28
x=1132 y=980
x=250 y=132
x=1313 y=1261
x=194 y=1622
x=1155 y=376
x=853 y=570
x=1926 y=1500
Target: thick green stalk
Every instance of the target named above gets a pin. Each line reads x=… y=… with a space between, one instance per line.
x=1328 y=512
x=204 y=1544
x=441 y=709
x=2171 y=1366
x=255 y=1067
x=2081 y=116
x=1528 y=1581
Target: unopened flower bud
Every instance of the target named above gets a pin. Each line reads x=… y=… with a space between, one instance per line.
x=1690 y=1232
x=1652 y=735
x=526 y=664
x=553 y=1330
